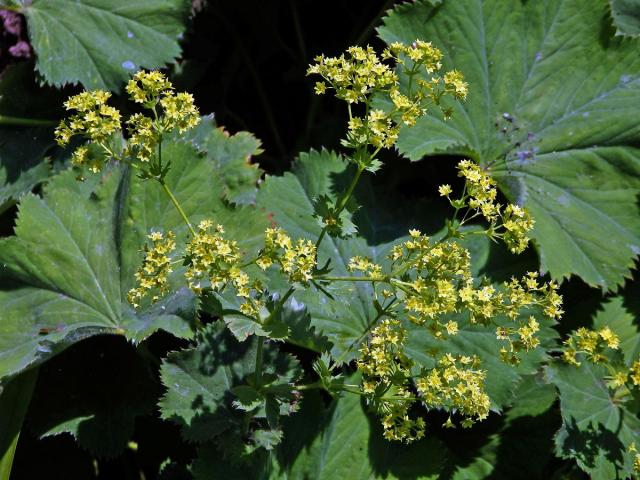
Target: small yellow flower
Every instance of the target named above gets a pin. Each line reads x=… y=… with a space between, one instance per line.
x=445 y=190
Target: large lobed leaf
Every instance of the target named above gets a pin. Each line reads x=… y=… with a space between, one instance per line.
x=551 y=113
x=598 y=425
x=207 y=388
x=597 y=429
x=101 y=43
x=342 y=441
x=383 y=220
x=231 y=154
x=65 y=274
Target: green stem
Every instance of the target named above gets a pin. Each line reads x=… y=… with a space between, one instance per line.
x=14 y=402
x=25 y=122
x=176 y=204
x=309 y=386
x=350 y=279
x=257 y=376
x=260 y=351
x=342 y=203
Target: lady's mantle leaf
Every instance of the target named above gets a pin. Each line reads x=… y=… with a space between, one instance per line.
x=552 y=113
x=207 y=385
x=342 y=441
x=100 y=43
x=626 y=17
x=382 y=220
x=65 y=274
x=597 y=429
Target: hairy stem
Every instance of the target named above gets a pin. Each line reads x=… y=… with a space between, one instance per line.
x=176 y=204
x=342 y=203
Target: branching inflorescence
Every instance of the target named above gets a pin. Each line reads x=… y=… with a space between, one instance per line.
x=426 y=287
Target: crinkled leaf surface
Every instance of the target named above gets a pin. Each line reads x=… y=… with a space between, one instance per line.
x=66 y=273
x=597 y=429
x=342 y=441
x=199 y=380
x=207 y=385
x=626 y=17
x=382 y=220
x=101 y=43
x=551 y=113
x=231 y=154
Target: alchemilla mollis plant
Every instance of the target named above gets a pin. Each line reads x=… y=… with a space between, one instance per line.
x=426 y=282
x=183 y=314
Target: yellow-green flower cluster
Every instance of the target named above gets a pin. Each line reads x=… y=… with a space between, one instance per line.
x=180 y=112
x=94 y=120
x=353 y=75
x=633 y=450
x=82 y=157
x=456 y=383
x=433 y=281
x=359 y=74
x=296 y=260
x=382 y=358
x=155 y=269
x=521 y=338
x=386 y=378
x=97 y=121
x=143 y=137
x=592 y=343
x=434 y=274
x=512 y=224
x=517 y=223
x=397 y=424
x=213 y=261
x=634 y=373
x=367 y=267
x=622 y=375
x=147 y=87
x=177 y=112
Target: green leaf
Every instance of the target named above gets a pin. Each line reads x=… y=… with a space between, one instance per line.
x=231 y=154
x=522 y=441
x=342 y=441
x=597 y=429
x=22 y=164
x=94 y=391
x=198 y=383
x=207 y=384
x=615 y=315
x=626 y=17
x=14 y=401
x=101 y=43
x=66 y=273
x=551 y=113
x=381 y=220
x=502 y=378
